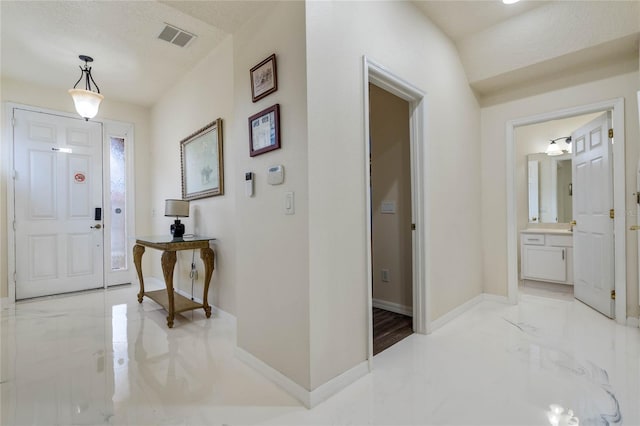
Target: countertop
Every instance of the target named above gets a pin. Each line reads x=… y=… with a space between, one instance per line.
x=547 y=231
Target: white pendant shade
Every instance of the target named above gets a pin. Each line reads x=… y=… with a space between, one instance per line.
x=86 y=102
x=553 y=149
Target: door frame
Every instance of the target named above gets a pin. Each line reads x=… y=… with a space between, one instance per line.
x=380 y=76
x=616 y=106
x=109 y=128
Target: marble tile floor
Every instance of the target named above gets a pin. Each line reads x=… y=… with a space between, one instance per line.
x=101 y=358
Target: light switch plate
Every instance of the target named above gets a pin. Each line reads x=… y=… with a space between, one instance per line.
x=289 y=203
x=388 y=207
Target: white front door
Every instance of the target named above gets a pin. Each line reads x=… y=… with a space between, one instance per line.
x=57 y=187
x=592 y=201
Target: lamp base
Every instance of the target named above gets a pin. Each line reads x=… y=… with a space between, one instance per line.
x=177 y=229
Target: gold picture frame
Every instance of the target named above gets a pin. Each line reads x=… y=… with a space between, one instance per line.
x=202 y=167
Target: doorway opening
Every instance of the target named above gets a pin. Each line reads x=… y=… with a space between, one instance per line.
x=545 y=184
x=616 y=110
x=406 y=212
x=390 y=169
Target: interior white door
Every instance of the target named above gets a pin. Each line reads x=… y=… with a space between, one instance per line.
x=58 y=185
x=592 y=201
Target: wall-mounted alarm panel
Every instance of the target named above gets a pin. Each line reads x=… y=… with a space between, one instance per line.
x=275 y=175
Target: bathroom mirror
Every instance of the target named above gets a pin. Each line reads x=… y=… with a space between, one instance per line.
x=549 y=188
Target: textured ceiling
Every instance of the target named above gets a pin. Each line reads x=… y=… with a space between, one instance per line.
x=41 y=41
x=461 y=18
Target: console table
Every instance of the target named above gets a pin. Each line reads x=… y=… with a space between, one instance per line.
x=172 y=302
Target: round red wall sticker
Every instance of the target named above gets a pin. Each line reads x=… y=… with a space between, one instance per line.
x=79 y=177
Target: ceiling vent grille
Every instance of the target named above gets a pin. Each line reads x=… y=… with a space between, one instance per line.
x=176 y=36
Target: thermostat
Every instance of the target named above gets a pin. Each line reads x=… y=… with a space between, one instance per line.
x=275 y=175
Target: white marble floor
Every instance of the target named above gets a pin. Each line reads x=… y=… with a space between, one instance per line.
x=101 y=358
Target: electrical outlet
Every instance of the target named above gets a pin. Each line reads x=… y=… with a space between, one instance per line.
x=385 y=275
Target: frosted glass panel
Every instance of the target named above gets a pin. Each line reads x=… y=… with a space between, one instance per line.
x=118 y=205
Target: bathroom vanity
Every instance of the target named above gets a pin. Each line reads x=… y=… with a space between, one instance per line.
x=547 y=255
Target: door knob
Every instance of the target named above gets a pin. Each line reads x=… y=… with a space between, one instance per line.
x=98 y=226
x=634 y=228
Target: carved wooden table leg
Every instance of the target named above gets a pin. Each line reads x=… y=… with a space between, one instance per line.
x=207 y=256
x=138 y=251
x=168 y=263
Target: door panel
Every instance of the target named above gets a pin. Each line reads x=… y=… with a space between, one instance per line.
x=57 y=185
x=592 y=199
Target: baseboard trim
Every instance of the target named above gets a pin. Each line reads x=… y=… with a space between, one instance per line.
x=294 y=389
x=308 y=398
x=456 y=312
x=633 y=322
x=495 y=298
x=335 y=385
x=393 y=307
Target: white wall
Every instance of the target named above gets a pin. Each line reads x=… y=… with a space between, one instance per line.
x=272 y=275
x=494 y=206
x=201 y=96
x=398 y=36
x=59 y=100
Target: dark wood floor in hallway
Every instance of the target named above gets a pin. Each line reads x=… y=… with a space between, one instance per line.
x=389 y=328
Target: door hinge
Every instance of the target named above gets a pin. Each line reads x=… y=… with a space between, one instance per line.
x=413 y=226
x=13 y=122
x=613 y=295
x=610 y=133
x=14 y=225
x=15 y=279
x=612 y=213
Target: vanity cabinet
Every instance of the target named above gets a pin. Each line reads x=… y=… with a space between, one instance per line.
x=546 y=256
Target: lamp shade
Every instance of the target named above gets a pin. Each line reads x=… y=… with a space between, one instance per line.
x=176 y=208
x=553 y=149
x=86 y=102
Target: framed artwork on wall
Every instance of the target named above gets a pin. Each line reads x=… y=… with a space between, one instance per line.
x=201 y=162
x=264 y=131
x=264 y=78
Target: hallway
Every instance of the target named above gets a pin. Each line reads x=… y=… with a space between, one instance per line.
x=100 y=358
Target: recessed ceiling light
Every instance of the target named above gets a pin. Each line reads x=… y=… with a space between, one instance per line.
x=510 y=1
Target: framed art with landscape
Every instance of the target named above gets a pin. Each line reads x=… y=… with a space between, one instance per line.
x=201 y=162
x=264 y=78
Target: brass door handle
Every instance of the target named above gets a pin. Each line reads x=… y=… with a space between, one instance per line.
x=634 y=228
x=98 y=226
x=573 y=223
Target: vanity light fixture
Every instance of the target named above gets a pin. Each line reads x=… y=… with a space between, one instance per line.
x=554 y=149
x=87 y=100
x=510 y=1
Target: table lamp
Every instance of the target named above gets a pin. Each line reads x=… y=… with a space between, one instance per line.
x=177 y=208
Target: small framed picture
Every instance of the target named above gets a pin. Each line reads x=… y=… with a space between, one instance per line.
x=264 y=131
x=201 y=161
x=264 y=78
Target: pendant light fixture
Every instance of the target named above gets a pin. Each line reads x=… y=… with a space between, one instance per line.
x=554 y=149
x=87 y=100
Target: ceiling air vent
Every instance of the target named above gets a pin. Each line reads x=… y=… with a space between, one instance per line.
x=176 y=35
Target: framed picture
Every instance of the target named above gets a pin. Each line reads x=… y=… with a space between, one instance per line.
x=264 y=78
x=264 y=131
x=202 y=166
